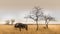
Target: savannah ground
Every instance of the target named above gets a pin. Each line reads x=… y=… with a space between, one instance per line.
x=9 y=29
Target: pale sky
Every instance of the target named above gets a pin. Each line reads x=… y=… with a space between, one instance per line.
x=17 y=9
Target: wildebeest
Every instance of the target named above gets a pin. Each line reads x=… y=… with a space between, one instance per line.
x=21 y=26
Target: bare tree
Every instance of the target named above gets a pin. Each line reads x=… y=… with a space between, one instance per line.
x=36 y=14
x=12 y=21
x=7 y=22
x=47 y=19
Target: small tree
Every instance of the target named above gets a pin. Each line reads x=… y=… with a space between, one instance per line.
x=7 y=22
x=36 y=14
x=12 y=21
x=47 y=19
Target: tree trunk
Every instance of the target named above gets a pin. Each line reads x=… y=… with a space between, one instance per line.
x=37 y=25
x=46 y=22
x=47 y=25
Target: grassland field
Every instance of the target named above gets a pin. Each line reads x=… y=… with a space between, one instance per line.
x=9 y=29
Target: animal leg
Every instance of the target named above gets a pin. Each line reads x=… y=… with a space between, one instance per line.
x=26 y=27
x=20 y=29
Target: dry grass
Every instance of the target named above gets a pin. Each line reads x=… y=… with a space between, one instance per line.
x=9 y=29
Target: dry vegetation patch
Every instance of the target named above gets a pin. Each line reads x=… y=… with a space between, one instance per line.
x=9 y=29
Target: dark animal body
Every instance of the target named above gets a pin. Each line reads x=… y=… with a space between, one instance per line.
x=21 y=26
